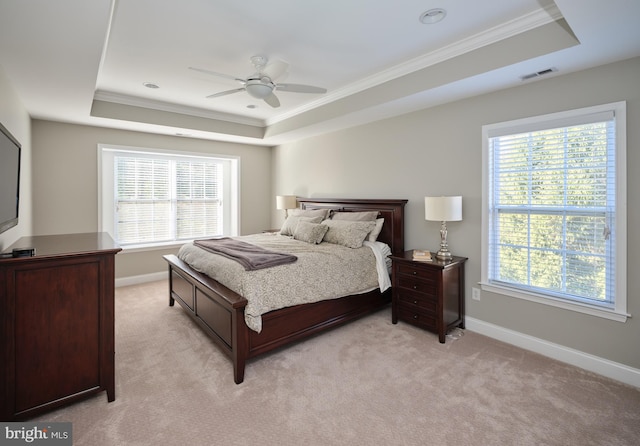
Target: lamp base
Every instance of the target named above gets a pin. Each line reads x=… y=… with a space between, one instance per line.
x=444 y=255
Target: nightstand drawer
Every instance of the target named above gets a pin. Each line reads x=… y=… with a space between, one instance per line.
x=417 y=317
x=417 y=284
x=416 y=302
x=416 y=269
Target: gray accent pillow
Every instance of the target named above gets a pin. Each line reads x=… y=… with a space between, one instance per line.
x=310 y=232
x=309 y=213
x=355 y=216
x=289 y=225
x=348 y=233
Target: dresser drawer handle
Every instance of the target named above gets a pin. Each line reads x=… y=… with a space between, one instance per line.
x=415 y=302
x=415 y=316
x=415 y=272
x=415 y=287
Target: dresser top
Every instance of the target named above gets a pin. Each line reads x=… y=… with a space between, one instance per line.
x=67 y=244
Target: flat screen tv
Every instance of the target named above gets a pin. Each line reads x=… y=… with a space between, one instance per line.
x=9 y=179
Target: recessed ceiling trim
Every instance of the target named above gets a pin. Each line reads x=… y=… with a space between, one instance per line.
x=174 y=108
x=179 y=122
x=105 y=45
x=527 y=22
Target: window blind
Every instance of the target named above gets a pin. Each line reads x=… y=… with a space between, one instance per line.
x=143 y=200
x=159 y=199
x=552 y=208
x=198 y=188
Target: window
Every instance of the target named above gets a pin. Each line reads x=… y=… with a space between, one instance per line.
x=554 y=210
x=150 y=198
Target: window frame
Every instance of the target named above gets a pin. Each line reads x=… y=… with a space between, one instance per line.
x=106 y=187
x=618 y=311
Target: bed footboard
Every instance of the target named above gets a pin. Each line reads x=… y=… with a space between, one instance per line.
x=218 y=310
x=220 y=313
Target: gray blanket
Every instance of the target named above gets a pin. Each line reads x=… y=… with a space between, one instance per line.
x=251 y=257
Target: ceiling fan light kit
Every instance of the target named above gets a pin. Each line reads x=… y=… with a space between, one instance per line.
x=258 y=89
x=261 y=85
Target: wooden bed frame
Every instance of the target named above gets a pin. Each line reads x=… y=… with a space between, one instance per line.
x=220 y=311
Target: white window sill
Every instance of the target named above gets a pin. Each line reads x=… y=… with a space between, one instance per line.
x=592 y=310
x=153 y=246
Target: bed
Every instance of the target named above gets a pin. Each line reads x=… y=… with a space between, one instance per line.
x=220 y=312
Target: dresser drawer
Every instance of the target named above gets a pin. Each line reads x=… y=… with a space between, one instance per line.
x=416 y=302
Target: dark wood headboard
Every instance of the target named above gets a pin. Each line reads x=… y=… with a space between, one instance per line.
x=391 y=210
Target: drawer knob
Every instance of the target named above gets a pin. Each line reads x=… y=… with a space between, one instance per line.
x=415 y=302
x=415 y=272
x=415 y=287
x=415 y=316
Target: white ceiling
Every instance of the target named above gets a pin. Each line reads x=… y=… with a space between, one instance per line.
x=85 y=62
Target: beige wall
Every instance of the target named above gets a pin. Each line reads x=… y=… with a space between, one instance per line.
x=438 y=151
x=15 y=118
x=65 y=165
x=434 y=151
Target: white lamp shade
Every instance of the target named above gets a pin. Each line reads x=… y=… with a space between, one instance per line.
x=443 y=208
x=286 y=202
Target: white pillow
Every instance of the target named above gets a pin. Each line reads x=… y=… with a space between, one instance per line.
x=373 y=235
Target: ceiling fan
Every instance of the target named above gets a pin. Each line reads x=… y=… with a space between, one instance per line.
x=261 y=84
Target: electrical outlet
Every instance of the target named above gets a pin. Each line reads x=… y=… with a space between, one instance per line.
x=475 y=293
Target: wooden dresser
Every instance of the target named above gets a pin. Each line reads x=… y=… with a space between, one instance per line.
x=56 y=323
x=429 y=295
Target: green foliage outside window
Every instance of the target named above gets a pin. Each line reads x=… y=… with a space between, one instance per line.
x=552 y=194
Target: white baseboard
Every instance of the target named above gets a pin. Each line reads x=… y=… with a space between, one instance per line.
x=601 y=366
x=135 y=280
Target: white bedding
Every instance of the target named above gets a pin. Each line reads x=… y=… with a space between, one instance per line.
x=323 y=271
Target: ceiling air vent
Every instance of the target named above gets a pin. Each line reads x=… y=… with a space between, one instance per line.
x=526 y=77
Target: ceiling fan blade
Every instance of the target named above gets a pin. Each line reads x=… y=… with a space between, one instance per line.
x=224 y=93
x=299 y=88
x=213 y=73
x=275 y=69
x=272 y=100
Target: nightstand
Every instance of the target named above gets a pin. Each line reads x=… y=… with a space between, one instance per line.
x=429 y=295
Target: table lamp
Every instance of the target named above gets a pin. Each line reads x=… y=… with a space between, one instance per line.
x=286 y=202
x=443 y=209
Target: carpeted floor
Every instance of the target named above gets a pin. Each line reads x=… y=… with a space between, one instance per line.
x=366 y=383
